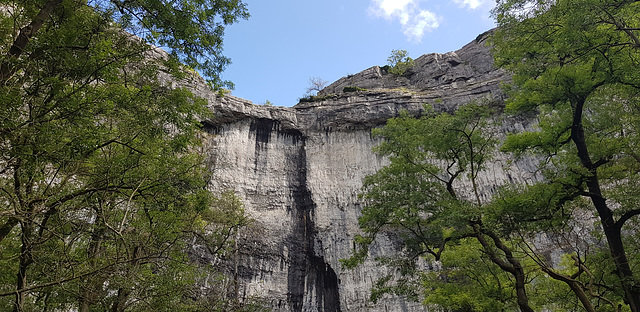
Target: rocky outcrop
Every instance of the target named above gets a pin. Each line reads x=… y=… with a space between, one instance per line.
x=441 y=75
x=300 y=169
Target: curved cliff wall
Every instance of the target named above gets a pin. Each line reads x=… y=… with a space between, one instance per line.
x=299 y=171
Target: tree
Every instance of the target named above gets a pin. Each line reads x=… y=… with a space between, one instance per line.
x=575 y=63
x=466 y=250
x=100 y=176
x=191 y=31
x=399 y=62
x=316 y=84
x=573 y=66
x=428 y=198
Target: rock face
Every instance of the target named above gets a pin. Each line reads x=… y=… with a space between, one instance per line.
x=299 y=171
x=461 y=75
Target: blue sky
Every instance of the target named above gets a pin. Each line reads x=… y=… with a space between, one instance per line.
x=286 y=42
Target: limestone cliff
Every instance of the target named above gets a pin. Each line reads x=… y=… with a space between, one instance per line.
x=299 y=171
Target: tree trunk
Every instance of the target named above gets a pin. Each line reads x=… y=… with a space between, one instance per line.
x=521 y=293
x=612 y=230
x=93 y=285
x=25 y=260
x=120 y=304
x=518 y=273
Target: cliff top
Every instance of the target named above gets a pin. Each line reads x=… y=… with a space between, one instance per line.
x=443 y=80
x=431 y=71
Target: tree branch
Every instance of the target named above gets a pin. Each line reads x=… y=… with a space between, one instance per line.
x=625 y=217
x=25 y=34
x=64 y=280
x=6 y=228
x=620 y=26
x=492 y=255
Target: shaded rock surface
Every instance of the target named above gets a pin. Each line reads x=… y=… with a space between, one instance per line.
x=300 y=169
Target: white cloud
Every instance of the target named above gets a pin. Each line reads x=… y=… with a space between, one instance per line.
x=481 y=7
x=425 y=20
x=414 y=20
x=471 y=4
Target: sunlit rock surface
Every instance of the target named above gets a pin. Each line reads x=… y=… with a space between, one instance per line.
x=299 y=171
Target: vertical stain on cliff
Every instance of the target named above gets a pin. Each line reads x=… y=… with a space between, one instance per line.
x=326 y=285
x=262 y=128
x=308 y=273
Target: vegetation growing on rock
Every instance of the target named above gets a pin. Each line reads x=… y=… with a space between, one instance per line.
x=399 y=62
x=353 y=89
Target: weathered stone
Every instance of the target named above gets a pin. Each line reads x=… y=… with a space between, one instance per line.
x=299 y=171
x=432 y=73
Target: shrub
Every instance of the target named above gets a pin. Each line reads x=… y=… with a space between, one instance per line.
x=312 y=98
x=399 y=62
x=353 y=89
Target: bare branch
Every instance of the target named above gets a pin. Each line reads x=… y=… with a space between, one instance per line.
x=316 y=84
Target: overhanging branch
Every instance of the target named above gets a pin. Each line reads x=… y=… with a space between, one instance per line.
x=23 y=38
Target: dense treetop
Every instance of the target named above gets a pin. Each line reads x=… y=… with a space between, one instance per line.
x=574 y=66
x=102 y=180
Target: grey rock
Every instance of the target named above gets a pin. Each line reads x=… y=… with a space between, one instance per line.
x=299 y=171
x=432 y=73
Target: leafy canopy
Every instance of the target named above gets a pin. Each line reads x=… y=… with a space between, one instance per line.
x=102 y=176
x=574 y=63
x=399 y=62
x=428 y=198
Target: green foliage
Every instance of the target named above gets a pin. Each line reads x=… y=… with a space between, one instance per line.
x=574 y=63
x=413 y=181
x=190 y=30
x=316 y=98
x=461 y=252
x=399 y=62
x=418 y=200
x=101 y=180
x=455 y=286
x=311 y=99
